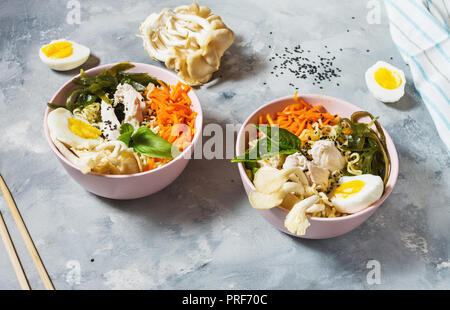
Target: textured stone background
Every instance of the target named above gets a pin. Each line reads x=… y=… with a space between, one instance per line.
x=201 y=232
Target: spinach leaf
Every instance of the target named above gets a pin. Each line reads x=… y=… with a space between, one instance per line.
x=262 y=149
x=146 y=142
x=276 y=141
x=284 y=138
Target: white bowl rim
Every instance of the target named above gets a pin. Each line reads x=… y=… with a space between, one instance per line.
x=198 y=124
x=392 y=153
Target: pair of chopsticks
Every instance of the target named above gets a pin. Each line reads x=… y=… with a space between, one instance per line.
x=9 y=245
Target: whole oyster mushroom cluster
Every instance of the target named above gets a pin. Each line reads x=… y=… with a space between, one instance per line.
x=188 y=39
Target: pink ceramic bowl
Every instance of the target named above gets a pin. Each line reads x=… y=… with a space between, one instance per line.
x=320 y=228
x=132 y=185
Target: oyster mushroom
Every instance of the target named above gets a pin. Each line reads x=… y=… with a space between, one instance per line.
x=188 y=39
x=296 y=221
x=286 y=188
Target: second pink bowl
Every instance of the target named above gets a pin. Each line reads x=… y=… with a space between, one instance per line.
x=320 y=228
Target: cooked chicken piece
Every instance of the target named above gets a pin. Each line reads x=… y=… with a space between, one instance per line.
x=317 y=207
x=110 y=125
x=326 y=155
x=318 y=175
x=133 y=102
x=295 y=160
x=314 y=173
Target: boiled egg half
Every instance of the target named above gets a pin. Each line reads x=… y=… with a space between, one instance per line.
x=385 y=82
x=63 y=55
x=355 y=193
x=71 y=131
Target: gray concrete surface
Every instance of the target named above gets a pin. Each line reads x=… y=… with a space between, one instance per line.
x=200 y=232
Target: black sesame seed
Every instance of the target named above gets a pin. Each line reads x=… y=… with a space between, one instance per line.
x=291 y=61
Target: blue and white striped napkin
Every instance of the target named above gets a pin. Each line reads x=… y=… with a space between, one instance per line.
x=420 y=30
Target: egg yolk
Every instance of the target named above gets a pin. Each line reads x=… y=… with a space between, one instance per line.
x=58 y=50
x=83 y=130
x=387 y=79
x=349 y=188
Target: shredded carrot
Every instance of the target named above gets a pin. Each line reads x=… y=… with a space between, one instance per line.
x=300 y=116
x=152 y=162
x=171 y=107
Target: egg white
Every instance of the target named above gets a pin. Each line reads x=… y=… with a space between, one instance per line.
x=58 y=125
x=380 y=93
x=371 y=192
x=79 y=56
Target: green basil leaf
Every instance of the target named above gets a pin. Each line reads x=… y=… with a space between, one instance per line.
x=126 y=131
x=147 y=143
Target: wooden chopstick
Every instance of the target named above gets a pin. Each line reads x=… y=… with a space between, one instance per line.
x=15 y=261
x=26 y=236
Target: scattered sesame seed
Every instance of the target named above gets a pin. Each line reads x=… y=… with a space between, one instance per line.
x=293 y=61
